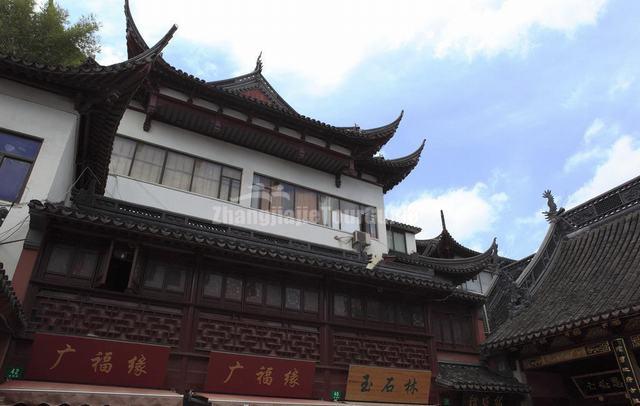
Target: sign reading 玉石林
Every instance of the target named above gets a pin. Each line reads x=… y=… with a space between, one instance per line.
x=376 y=384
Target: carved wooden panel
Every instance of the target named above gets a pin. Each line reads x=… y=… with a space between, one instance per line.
x=216 y=333
x=366 y=349
x=65 y=313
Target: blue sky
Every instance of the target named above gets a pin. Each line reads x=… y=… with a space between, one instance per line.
x=513 y=97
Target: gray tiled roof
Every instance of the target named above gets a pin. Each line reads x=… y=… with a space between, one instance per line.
x=10 y=307
x=591 y=276
x=499 y=298
x=476 y=378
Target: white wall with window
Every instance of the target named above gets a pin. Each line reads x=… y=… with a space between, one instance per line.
x=153 y=164
x=397 y=241
x=311 y=206
x=480 y=283
x=181 y=171
x=37 y=158
x=411 y=243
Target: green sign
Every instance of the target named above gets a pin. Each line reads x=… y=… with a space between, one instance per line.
x=14 y=373
x=336 y=395
x=446 y=402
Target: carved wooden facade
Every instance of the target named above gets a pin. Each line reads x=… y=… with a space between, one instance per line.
x=193 y=323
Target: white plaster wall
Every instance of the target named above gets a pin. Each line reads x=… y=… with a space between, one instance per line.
x=411 y=242
x=482 y=284
x=52 y=119
x=251 y=162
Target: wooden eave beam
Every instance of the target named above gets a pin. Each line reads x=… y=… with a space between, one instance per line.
x=185 y=85
x=150 y=109
x=170 y=102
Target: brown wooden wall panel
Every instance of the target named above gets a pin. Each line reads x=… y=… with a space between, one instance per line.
x=195 y=372
x=385 y=351
x=175 y=378
x=217 y=333
x=76 y=314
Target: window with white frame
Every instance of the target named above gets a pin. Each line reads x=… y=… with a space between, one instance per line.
x=396 y=241
x=158 y=165
x=309 y=205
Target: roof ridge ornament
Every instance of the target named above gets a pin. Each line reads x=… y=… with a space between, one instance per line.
x=444 y=224
x=89 y=63
x=553 y=211
x=258 y=67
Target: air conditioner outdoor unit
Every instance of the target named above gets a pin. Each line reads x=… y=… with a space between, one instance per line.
x=360 y=239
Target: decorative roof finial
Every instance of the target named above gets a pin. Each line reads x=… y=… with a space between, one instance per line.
x=259 y=63
x=444 y=225
x=553 y=207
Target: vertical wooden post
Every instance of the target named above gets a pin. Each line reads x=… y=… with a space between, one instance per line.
x=189 y=322
x=325 y=336
x=24 y=271
x=434 y=396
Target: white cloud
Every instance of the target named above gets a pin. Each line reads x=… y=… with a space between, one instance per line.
x=380 y=153
x=109 y=55
x=535 y=219
x=595 y=144
x=621 y=84
x=526 y=231
x=579 y=94
x=320 y=43
x=594 y=129
x=621 y=164
x=582 y=157
x=468 y=211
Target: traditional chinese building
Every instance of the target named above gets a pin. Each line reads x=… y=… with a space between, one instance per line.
x=458 y=328
x=568 y=319
x=173 y=234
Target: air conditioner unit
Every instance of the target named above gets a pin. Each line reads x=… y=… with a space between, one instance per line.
x=360 y=239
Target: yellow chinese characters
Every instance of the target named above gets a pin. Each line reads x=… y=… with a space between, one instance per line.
x=232 y=369
x=291 y=378
x=61 y=353
x=264 y=377
x=102 y=362
x=137 y=365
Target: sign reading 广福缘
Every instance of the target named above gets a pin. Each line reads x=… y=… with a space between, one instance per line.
x=254 y=375
x=376 y=384
x=95 y=361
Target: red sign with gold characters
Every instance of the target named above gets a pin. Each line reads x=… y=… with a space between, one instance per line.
x=94 y=361
x=253 y=375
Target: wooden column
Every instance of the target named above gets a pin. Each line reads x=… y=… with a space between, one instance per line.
x=189 y=322
x=24 y=271
x=434 y=396
x=325 y=336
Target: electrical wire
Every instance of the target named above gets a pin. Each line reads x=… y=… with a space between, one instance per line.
x=80 y=177
x=15 y=229
x=12 y=241
x=19 y=223
x=6 y=234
